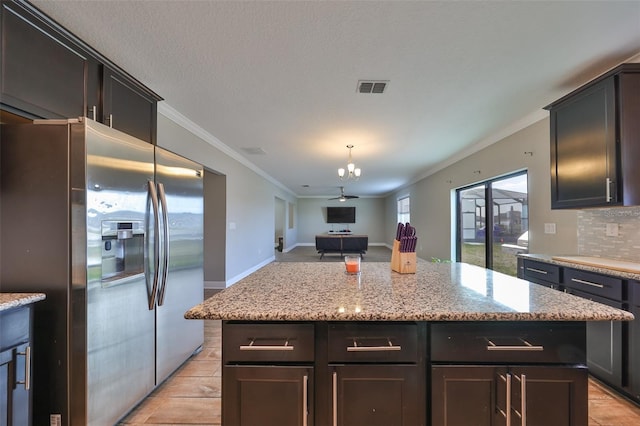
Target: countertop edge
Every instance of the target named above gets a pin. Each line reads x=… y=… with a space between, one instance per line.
x=14 y=300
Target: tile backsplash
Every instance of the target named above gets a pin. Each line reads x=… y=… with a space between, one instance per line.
x=594 y=241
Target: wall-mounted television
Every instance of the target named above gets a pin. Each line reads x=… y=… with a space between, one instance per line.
x=341 y=215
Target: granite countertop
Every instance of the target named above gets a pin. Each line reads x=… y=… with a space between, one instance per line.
x=14 y=300
x=322 y=291
x=601 y=269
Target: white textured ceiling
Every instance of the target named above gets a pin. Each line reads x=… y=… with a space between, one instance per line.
x=282 y=75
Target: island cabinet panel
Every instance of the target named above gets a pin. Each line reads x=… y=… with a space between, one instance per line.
x=516 y=395
x=516 y=373
x=268 y=396
x=376 y=395
x=268 y=374
x=376 y=374
x=594 y=142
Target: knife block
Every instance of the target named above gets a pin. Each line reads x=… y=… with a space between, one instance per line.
x=403 y=263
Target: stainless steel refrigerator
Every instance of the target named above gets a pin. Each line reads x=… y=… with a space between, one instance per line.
x=111 y=229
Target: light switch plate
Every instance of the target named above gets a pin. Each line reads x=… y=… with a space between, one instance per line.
x=611 y=230
x=549 y=228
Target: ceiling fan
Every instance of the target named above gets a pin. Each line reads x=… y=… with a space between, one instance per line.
x=344 y=197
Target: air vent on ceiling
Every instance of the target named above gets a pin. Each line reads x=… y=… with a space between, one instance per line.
x=254 y=150
x=372 y=86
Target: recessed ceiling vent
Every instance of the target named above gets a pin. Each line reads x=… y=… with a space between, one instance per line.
x=254 y=150
x=372 y=86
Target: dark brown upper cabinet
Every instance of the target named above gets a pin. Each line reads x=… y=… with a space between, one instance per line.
x=42 y=73
x=47 y=72
x=595 y=142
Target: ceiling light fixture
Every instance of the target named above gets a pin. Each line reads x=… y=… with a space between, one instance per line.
x=351 y=171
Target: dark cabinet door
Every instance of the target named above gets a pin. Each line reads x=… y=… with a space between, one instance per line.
x=41 y=75
x=464 y=396
x=15 y=403
x=267 y=396
x=376 y=395
x=516 y=395
x=6 y=366
x=128 y=108
x=583 y=149
x=549 y=396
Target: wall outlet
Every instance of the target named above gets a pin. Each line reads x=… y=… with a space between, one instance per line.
x=549 y=228
x=611 y=230
x=55 y=420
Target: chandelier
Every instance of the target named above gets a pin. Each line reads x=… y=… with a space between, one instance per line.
x=351 y=171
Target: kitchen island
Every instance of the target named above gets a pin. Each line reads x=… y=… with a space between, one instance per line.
x=306 y=344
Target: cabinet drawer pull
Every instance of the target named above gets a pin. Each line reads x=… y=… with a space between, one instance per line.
x=539 y=271
x=252 y=347
x=334 y=397
x=27 y=368
x=389 y=347
x=507 y=409
x=576 y=280
x=528 y=347
x=305 y=395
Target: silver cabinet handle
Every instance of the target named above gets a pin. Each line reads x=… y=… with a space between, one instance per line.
x=540 y=271
x=523 y=398
x=110 y=120
x=93 y=111
x=305 y=395
x=608 y=190
x=252 y=347
x=389 y=347
x=334 y=394
x=576 y=280
x=27 y=368
x=528 y=347
x=507 y=413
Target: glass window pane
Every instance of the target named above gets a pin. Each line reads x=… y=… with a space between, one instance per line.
x=403 y=210
x=472 y=219
x=510 y=222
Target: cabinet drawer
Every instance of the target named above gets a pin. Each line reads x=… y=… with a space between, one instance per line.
x=596 y=284
x=535 y=271
x=634 y=293
x=14 y=326
x=496 y=342
x=271 y=342
x=375 y=342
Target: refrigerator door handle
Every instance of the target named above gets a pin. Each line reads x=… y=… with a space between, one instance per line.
x=151 y=296
x=165 y=260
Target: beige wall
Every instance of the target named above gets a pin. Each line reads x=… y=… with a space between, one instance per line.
x=431 y=197
x=313 y=220
x=248 y=207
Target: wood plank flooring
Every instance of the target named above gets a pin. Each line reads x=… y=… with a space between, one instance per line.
x=191 y=396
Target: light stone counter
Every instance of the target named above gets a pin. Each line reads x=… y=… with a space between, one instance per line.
x=319 y=291
x=600 y=270
x=14 y=300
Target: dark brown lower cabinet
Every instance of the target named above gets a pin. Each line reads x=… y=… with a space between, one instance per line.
x=465 y=395
x=268 y=396
x=376 y=395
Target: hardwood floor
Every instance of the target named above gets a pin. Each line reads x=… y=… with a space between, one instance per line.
x=191 y=396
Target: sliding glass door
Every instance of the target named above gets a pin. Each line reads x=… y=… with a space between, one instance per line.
x=493 y=223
